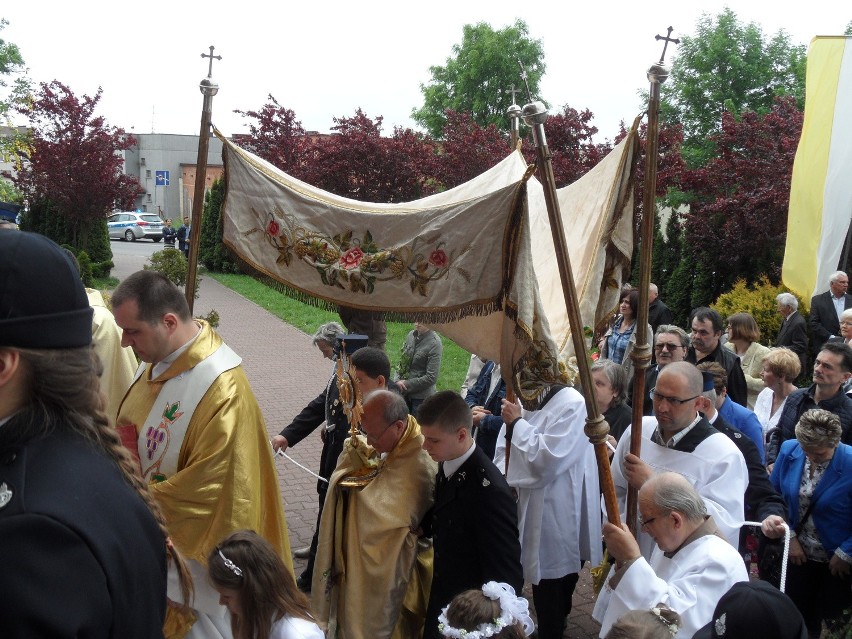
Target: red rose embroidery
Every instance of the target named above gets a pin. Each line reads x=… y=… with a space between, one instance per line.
x=351 y=258
x=273 y=228
x=438 y=258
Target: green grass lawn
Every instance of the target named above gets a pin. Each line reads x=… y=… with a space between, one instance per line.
x=308 y=318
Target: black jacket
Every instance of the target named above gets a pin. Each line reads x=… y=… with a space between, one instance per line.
x=81 y=554
x=793 y=334
x=797 y=403
x=474 y=528
x=659 y=313
x=311 y=417
x=761 y=499
x=823 y=320
x=737 y=388
x=169 y=235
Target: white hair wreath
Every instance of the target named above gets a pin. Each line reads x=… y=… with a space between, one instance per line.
x=512 y=609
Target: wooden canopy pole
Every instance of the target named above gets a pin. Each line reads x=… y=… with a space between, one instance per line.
x=209 y=88
x=596 y=429
x=641 y=353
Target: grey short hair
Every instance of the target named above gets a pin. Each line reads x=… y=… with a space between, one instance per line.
x=835 y=275
x=818 y=428
x=328 y=333
x=846 y=315
x=673 y=330
x=674 y=493
x=617 y=377
x=787 y=299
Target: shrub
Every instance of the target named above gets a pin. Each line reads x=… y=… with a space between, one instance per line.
x=759 y=300
x=85 y=263
x=212 y=252
x=171 y=263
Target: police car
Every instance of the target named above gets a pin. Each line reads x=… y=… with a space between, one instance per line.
x=132 y=226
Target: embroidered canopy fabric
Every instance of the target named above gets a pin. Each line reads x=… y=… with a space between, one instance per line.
x=475 y=262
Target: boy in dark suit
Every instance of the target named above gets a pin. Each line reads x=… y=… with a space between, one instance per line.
x=474 y=520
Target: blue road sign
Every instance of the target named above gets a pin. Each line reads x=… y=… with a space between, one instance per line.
x=161 y=178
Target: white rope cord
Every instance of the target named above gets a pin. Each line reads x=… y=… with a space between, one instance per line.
x=786 y=555
x=305 y=468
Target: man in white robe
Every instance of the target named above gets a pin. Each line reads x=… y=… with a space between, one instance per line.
x=552 y=467
x=679 y=439
x=691 y=567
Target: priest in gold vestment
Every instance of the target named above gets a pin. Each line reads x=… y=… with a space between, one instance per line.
x=119 y=363
x=194 y=424
x=372 y=574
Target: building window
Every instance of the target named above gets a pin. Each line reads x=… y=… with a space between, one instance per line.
x=145 y=208
x=148 y=174
x=148 y=197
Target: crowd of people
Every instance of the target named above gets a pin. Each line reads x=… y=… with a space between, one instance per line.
x=143 y=501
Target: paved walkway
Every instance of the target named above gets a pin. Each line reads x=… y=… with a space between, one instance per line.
x=286 y=372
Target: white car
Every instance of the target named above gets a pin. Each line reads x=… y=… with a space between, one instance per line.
x=132 y=226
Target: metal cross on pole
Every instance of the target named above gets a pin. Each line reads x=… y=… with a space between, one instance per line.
x=641 y=353
x=209 y=88
x=514 y=113
x=218 y=57
x=666 y=38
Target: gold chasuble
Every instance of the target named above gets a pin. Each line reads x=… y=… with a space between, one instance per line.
x=372 y=575
x=225 y=478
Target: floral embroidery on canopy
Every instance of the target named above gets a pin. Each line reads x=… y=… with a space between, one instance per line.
x=358 y=263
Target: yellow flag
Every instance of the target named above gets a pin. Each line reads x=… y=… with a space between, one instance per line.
x=821 y=189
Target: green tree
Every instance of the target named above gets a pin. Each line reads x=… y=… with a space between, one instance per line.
x=13 y=87
x=75 y=170
x=11 y=67
x=728 y=66
x=213 y=253
x=477 y=77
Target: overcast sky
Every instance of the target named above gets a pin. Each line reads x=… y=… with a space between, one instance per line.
x=325 y=59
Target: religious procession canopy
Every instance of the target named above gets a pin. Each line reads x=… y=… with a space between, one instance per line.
x=475 y=262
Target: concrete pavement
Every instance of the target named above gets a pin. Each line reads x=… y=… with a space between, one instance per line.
x=286 y=372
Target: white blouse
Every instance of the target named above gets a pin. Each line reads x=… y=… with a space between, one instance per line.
x=295 y=628
x=763 y=410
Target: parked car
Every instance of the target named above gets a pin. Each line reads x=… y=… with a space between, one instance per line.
x=133 y=226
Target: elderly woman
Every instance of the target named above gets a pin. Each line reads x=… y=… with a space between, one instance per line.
x=610 y=382
x=814 y=475
x=620 y=339
x=325 y=408
x=743 y=336
x=781 y=367
x=325 y=339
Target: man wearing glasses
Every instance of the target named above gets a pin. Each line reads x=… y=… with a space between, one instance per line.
x=370 y=577
x=670 y=344
x=677 y=438
x=691 y=566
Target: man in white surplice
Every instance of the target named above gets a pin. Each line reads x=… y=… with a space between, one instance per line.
x=552 y=467
x=691 y=567
x=677 y=438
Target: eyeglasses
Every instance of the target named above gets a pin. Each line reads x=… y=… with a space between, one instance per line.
x=663 y=346
x=370 y=437
x=846 y=323
x=674 y=401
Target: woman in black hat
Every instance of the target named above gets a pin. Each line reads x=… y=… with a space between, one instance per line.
x=82 y=543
